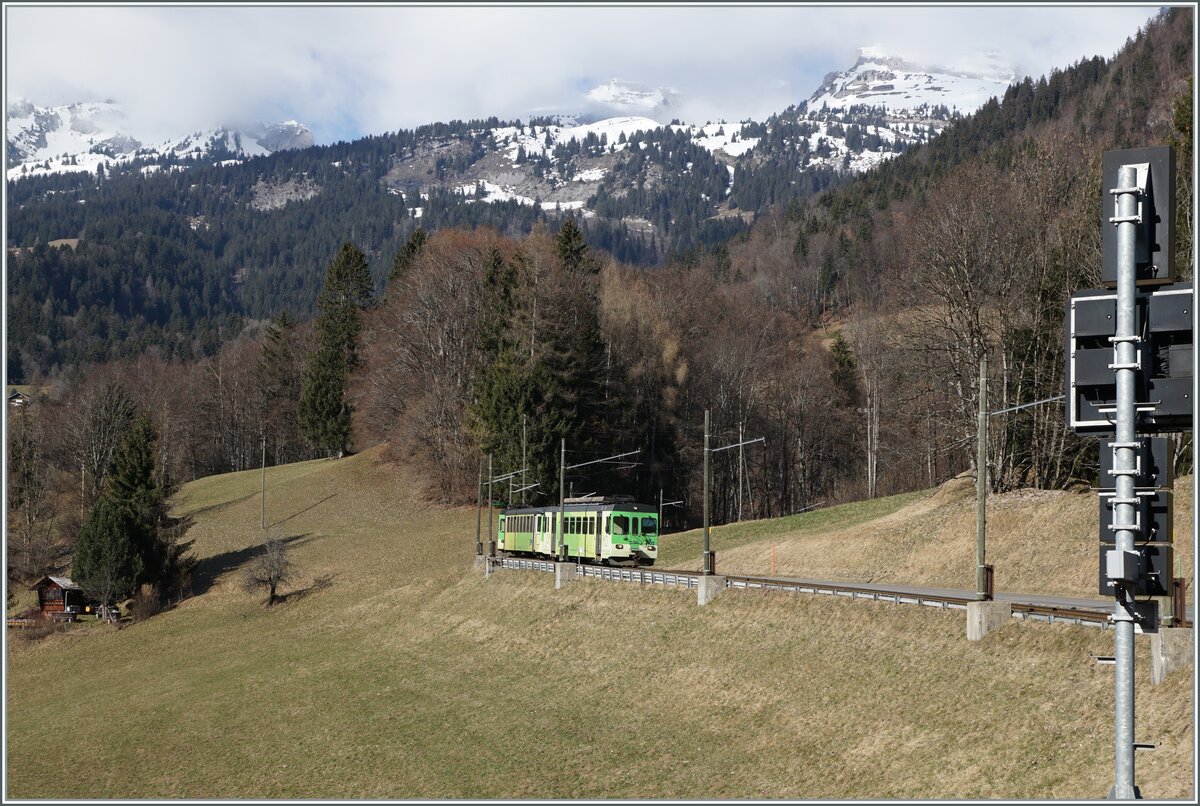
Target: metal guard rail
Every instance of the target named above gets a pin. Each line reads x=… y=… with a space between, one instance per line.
x=690 y=580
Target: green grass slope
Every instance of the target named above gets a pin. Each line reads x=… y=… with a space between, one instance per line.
x=395 y=670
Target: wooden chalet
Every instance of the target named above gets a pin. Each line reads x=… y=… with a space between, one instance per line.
x=59 y=597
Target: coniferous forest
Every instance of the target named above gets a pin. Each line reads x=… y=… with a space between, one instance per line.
x=842 y=319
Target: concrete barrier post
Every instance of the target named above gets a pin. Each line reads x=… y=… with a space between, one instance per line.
x=1170 y=649
x=708 y=588
x=563 y=574
x=983 y=617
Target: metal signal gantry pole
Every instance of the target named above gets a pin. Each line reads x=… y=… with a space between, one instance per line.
x=1124 y=523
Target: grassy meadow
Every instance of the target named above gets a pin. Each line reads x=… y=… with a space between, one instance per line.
x=395 y=670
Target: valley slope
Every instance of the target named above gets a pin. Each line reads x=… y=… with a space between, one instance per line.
x=395 y=670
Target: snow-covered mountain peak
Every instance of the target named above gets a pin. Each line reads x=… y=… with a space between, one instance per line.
x=878 y=78
x=81 y=136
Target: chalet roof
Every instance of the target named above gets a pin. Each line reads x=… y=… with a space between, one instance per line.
x=61 y=582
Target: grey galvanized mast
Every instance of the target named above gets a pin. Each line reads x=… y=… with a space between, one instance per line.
x=262 y=515
x=491 y=537
x=708 y=569
x=1126 y=367
x=741 y=463
x=479 y=512
x=981 y=486
x=524 y=458
x=562 y=503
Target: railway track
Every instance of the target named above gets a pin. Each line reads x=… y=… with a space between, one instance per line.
x=1089 y=616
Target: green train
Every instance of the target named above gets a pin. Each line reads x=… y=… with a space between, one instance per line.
x=611 y=530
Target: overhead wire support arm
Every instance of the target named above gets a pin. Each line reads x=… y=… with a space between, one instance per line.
x=737 y=444
x=605 y=459
x=1026 y=405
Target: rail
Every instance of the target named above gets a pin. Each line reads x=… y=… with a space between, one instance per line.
x=1053 y=614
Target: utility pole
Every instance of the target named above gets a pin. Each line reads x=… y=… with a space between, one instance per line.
x=741 y=463
x=524 y=458
x=981 y=485
x=262 y=515
x=562 y=503
x=660 y=500
x=491 y=536
x=708 y=556
x=479 y=512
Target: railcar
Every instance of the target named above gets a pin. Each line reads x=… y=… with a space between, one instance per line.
x=612 y=530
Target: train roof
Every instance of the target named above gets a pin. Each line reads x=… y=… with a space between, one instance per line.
x=622 y=507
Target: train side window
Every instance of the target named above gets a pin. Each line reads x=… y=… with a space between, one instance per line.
x=620 y=525
x=608 y=524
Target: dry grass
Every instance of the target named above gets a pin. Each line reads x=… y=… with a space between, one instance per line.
x=410 y=676
x=1040 y=541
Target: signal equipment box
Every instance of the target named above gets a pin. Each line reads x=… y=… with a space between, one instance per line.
x=1155 y=562
x=1153 y=515
x=1164 y=354
x=1155 y=463
x=1155 y=260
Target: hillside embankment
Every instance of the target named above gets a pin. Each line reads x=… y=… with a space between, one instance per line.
x=393 y=669
x=1039 y=541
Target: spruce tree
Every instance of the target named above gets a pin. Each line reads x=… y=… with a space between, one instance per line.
x=573 y=250
x=139 y=499
x=323 y=414
x=107 y=563
x=407 y=254
x=501 y=393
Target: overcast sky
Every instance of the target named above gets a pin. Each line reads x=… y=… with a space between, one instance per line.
x=352 y=71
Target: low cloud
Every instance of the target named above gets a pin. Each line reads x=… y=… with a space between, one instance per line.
x=352 y=71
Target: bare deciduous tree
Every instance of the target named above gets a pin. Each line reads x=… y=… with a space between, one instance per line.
x=30 y=497
x=271 y=569
x=98 y=422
